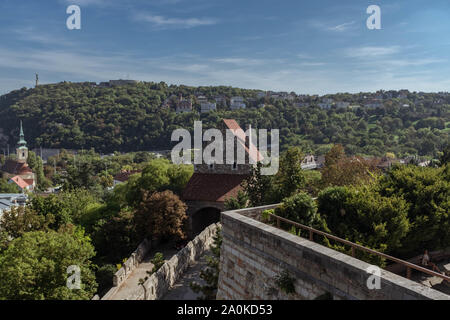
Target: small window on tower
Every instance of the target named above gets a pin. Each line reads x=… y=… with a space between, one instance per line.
x=23 y=154
x=234 y=166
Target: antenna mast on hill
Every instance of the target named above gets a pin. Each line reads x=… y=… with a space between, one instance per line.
x=37 y=79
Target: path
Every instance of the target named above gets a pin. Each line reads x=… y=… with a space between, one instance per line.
x=131 y=284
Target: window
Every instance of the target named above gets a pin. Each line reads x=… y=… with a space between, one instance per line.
x=211 y=166
x=234 y=166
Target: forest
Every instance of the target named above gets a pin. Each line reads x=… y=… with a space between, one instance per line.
x=142 y=117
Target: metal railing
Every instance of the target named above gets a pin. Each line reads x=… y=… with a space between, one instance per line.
x=409 y=266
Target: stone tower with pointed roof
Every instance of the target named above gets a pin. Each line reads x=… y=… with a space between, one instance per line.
x=22 y=149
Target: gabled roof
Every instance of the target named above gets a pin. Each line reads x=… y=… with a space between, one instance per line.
x=20 y=182
x=252 y=152
x=13 y=166
x=212 y=187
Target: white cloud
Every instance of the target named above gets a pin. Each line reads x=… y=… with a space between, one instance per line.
x=196 y=70
x=86 y=3
x=371 y=51
x=166 y=22
x=240 y=61
x=342 y=27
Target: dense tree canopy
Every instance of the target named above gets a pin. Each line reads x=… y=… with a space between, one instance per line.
x=34 y=266
x=133 y=118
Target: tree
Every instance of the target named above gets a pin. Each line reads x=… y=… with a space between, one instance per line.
x=258 y=188
x=237 y=203
x=34 y=266
x=445 y=157
x=81 y=175
x=427 y=192
x=19 y=220
x=290 y=177
x=340 y=170
x=179 y=176
x=362 y=215
x=210 y=274
x=52 y=208
x=161 y=215
x=35 y=163
x=6 y=187
x=299 y=208
x=115 y=237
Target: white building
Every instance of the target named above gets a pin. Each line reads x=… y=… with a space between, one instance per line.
x=260 y=94
x=9 y=200
x=342 y=104
x=326 y=103
x=237 y=103
x=207 y=107
x=220 y=100
x=184 y=105
x=301 y=104
x=202 y=99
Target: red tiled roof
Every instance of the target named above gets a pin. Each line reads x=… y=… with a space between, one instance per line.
x=20 y=182
x=253 y=152
x=25 y=169
x=213 y=187
x=29 y=181
x=124 y=176
x=13 y=166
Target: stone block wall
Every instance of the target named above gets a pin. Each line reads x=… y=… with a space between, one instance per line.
x=253 y=254
x=127 y=268
x=159 y=283
x=132 y=262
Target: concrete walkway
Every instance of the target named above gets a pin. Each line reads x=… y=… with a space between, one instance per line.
x=181 y=289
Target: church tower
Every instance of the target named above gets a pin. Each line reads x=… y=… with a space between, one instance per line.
x=22 y=150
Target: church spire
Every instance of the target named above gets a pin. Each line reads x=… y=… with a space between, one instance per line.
x=22 y=142
x=22 y=150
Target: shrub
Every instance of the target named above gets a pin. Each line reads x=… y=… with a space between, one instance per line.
x=299 y=208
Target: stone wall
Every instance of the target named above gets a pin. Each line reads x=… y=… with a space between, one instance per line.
x=253 y=254
x=128 y=266
x=159 y=283
x=132 y=262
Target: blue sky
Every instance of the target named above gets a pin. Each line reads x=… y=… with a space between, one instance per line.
x=312 y=47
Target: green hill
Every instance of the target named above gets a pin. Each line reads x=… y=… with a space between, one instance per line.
x=135 y=117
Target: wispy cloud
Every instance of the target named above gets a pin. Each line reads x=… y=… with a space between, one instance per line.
x=240 y=61
x=37 y=36
x=412 y=62
x=168 y=22
x=312 y=64
x=86 y=3
x=342 y=27
x=371 y=51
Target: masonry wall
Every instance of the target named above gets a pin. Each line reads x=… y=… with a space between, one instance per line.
x=253 y=254
x=127 y=268
x=161 y=281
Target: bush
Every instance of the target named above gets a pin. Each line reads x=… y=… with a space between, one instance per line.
x=158 y=261
x=363 y=216
x=104 y=276
x=427 y=192
x=299 y=208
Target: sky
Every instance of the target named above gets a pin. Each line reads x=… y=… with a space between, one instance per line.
x=310 y=47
